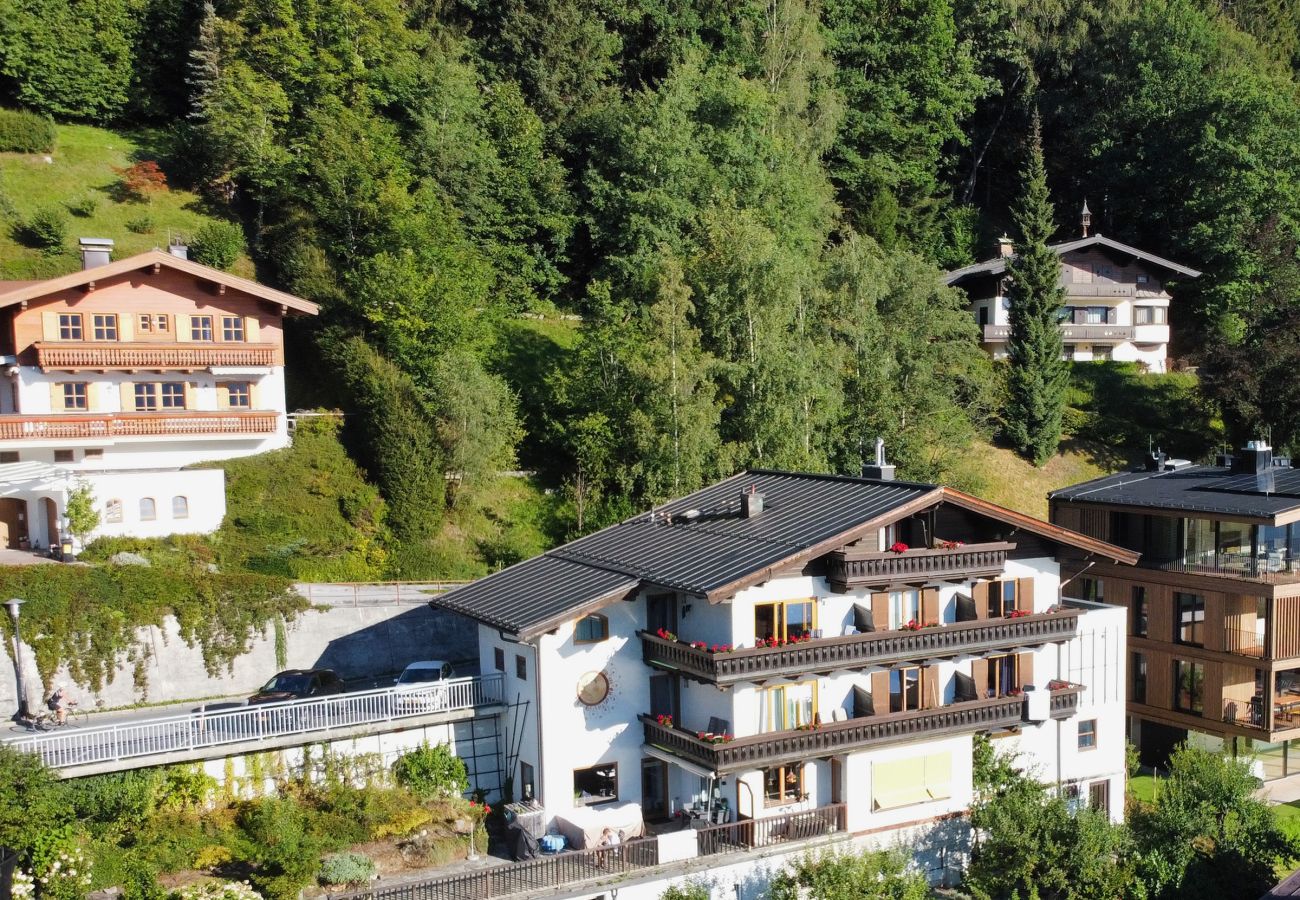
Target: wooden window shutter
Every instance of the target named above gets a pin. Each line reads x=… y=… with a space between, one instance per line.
x=880 y=611
x=191 y=395
x=880 y=692
x=49 y=326
x=1026 y=666
x=127 y=390
x=223 y=396
x=182 y=331
x=254 y=394
x=56 y=397
x=251 y=329
x=929 y=605
x=125 y=327
x=1025 y=594
x=980 y=591
x=979 y=673
x=930 y=687
x=94 y=400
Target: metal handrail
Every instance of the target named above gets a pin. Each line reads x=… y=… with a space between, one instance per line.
x=195 y=731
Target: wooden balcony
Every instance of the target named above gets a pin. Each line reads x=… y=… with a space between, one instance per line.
x=762 y=751
x=875 y=648
x=997 y=334
x=169 y=423
x=73 y=357
x=853 y=568
x=1101 y=289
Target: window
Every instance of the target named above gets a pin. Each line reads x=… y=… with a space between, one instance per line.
x=148 y=509
x=1138 y=669
x=113 y=511
x=1150 y=315
x=1099 y=796
x=162 y=323
x=70 y=326
x=180 y=508
x=1002 y=598
x=1141 y=279
x=788 y=706
x=1003 y=674
x=1101 y=352
x=1138 y=611
x=783 y=784
x=913 y=779
x=9 y=456
x=599 y=784
x=1069 y=352
x=984 y=315
x=1189 y=686
x=1094 y=315
x=232 y=328
x=65 y=456
x=1092 y=589
x=149 y=395
x=105 y=325
x=1189 y=618
x=904 y=608
x=521 y=667
x=93 y=453
x=239 y=395
x=499 y=659
x=591 y=630
x=783 y=620
x=1088 y=734
x=144 y=322
x=905 y=689
x=200 y=328
x=74 y=395
x=527 y=781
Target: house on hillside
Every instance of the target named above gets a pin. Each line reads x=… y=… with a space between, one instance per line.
x=1214 y=605
x=1117 y=300
x=122 y=374
x=802 y=655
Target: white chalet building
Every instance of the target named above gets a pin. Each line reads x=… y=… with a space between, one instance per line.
x=123 y=373
x=801 y=655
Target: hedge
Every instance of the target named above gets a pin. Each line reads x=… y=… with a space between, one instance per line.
x=25 y=132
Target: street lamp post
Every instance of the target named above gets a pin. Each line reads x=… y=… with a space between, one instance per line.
x=13 y=605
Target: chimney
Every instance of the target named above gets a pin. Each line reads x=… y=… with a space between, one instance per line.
x=1005 y=248
x=879 y=470
x=1087 y=217
x=751 y=503
x=95 y=252
x=1256 y=459
x=1156 y=460
x=178 y=250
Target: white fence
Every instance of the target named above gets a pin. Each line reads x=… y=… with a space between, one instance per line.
x=193 y=733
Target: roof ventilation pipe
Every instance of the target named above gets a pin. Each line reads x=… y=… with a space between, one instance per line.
x=879 y=470
x=1255 y=459
x=751 y=503
x=95 y=252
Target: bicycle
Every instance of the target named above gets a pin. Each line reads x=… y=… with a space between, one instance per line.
x=48 y=719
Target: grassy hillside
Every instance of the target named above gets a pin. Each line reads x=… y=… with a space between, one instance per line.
x=1001 y=476
x=81 y=169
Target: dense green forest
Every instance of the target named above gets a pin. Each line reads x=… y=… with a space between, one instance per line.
x=748 y=203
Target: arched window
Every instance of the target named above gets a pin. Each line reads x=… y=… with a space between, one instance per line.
x=113 y=511
x=180 y=508
x=591 y=630
x=148 y=509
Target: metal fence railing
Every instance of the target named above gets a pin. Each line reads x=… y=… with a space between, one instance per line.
x=196 y=731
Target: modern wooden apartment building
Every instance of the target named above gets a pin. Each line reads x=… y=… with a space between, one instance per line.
x=1213 y=604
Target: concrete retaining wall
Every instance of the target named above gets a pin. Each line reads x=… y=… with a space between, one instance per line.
x=359 y=642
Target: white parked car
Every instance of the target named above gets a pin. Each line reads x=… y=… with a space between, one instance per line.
x=420 y=679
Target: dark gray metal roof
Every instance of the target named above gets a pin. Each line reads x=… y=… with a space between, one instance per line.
x=698 y=544
x=998 y=264
x=1213 y=490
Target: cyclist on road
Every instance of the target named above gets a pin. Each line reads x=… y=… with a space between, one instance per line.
x=59 y=702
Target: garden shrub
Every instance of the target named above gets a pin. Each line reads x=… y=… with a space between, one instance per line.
x=217 y=890
x=346 y=869
x=279 y=840
x=83 y=206
x=212 y=856
x=217 y=244
x=25 y=132
x=120 y=799
x=431 y=772
x=141 y=224
x=45 y=229
x=141 y=881
x=33 y=802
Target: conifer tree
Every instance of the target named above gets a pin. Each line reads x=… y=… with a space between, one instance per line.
x=1038 y=378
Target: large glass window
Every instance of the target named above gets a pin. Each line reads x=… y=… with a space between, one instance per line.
x=1189 y=618
x=905 y=689
x=598 y=784
x=1002 y=598
x=1235 y=551
x=788 y=706
x=1138 y=611
x=1004 y=674
x=1189 y=686
x=904 y=608
x=783 y=784
x=1138 y=671
x=783 y=620
x=1198 y=542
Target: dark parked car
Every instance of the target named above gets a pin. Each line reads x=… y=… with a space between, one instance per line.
x=298 y=684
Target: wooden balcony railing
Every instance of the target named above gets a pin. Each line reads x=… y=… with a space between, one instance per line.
x=856 y=650
x=75 y=356
x=755 y=834
x=778 y=748
x=852 y=568
x=67 y=426
x=995 y=334
x=1097 y=289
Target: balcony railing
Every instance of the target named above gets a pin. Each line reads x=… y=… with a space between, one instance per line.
x=778 y=748
x=1246 y=642
x=851 y=568
x=1097 y=289
x=858 y=650
x=151 y=356
x=996 y=334
x=1273 y=569
x=67 y=426
x=755 y=834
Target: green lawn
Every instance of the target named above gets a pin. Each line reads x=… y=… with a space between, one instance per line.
x=82 y=166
